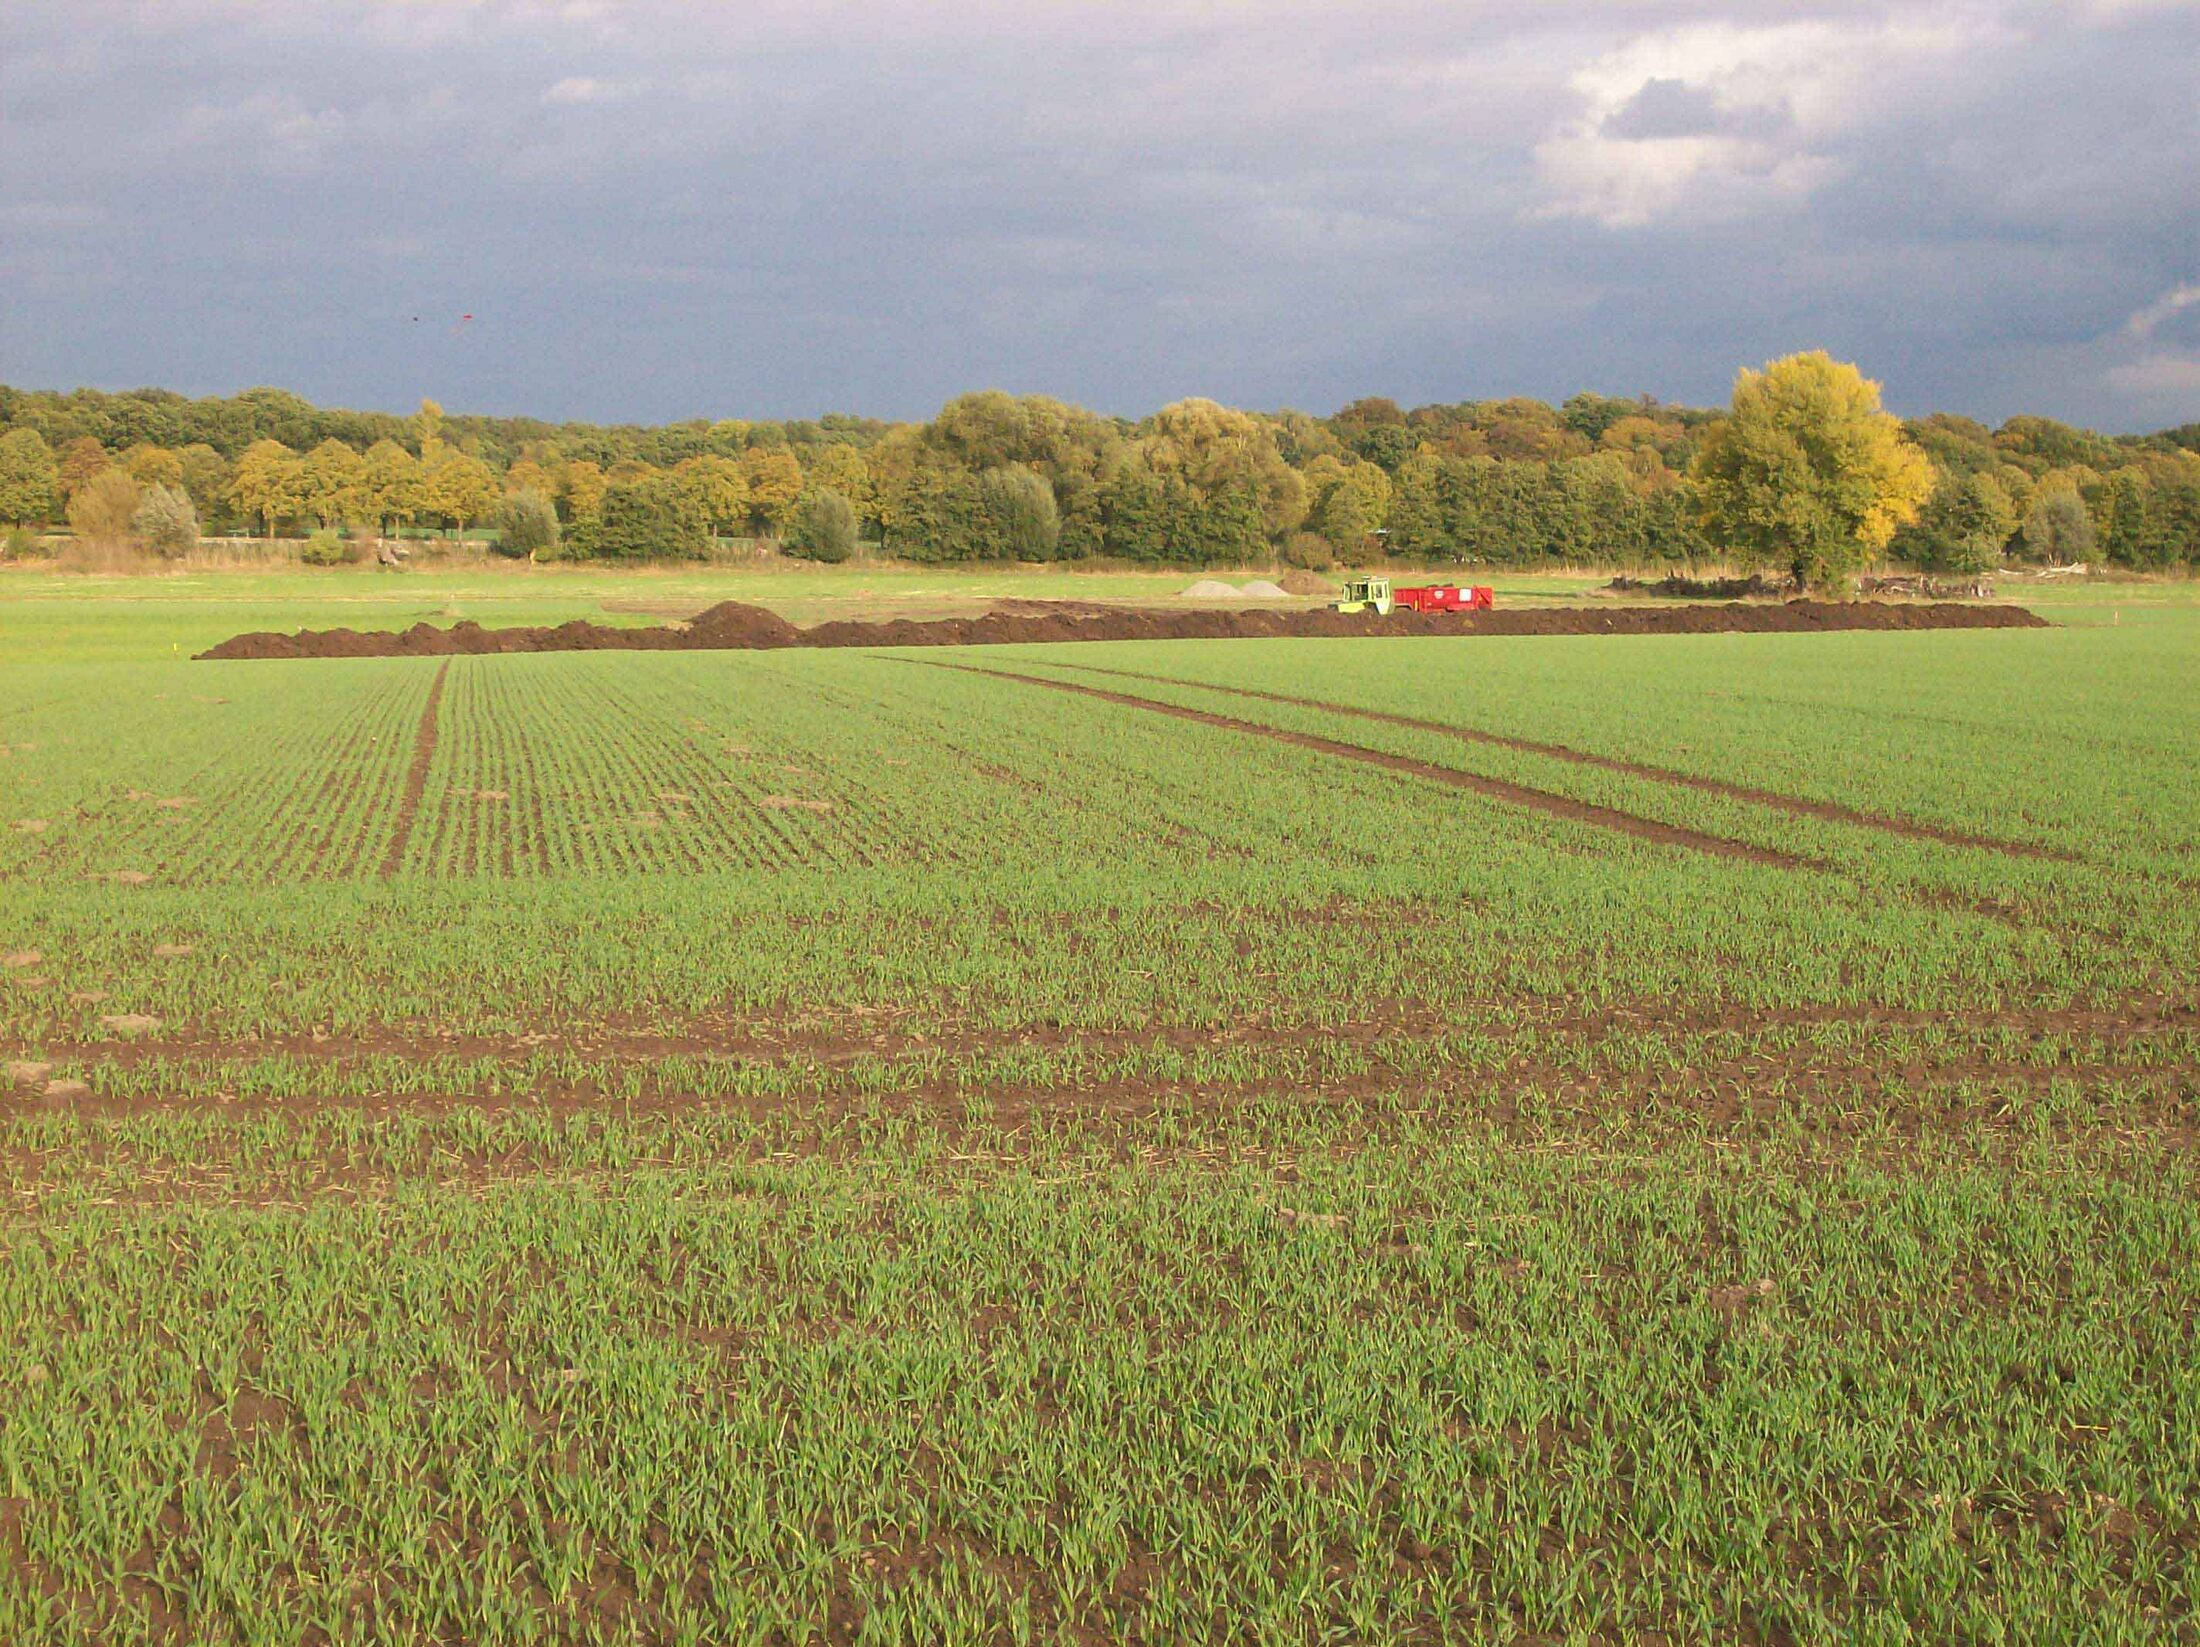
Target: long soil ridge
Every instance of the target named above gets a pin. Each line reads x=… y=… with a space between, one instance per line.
x=1829 y=811
x=2135 y=1020
x=1498 y=789
x=416 y=779
x=733 y=626
x=2152 y=1109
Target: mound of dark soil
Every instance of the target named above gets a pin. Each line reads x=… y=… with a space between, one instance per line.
x=731 y=626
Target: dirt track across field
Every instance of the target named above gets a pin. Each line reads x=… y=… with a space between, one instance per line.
x=1832 y=811
x=732 y=626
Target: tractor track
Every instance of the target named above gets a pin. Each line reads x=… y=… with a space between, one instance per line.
x=1498 y=789
x=416 y=778
x=1828 y=811
x=831 y=1045
x=1848 y=1105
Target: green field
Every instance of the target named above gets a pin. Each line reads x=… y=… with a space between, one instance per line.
x=1548 y=1139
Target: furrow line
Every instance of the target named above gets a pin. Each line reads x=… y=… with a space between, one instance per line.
x=416 y=780
x=1497 y=789
x=1800 y=806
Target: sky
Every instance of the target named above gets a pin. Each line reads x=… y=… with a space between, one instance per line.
x=662 y=209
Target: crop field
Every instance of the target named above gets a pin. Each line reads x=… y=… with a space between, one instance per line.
x=1681 y=1139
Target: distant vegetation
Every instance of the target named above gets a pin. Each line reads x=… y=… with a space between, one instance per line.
x=1517 y=482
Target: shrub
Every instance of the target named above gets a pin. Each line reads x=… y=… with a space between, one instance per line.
x=167 y=522
x=104 y=509
x=527 y=526
x=21 y=543
x=1023 y=521
x=1310 y=550
x=324 y=548
x=823 y=528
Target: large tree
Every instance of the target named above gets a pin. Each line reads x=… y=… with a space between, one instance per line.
x=2057 y=529
x=330 y=483
x=390 y=485
x=459 y=487
x=720 y=490
x=774 y=479
x=1964 y=527
x=30 y=480
x=1216 y=451
x=81 y=459
x=1808 y=473
x=266 y=482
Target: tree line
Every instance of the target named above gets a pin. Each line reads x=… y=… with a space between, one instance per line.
x=1597 y=480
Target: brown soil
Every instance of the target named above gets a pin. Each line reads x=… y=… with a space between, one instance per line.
x=731 y=625
x=1831 y=811
x=416 y=779
x=837 y=1042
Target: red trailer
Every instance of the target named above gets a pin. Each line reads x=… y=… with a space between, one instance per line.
x=1445 y=597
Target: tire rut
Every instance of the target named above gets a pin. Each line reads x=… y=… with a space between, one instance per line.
x=416 y=778
x=1498 y=789
x=1829 y=811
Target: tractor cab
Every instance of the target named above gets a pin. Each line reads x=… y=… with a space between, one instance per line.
x=1366 y=595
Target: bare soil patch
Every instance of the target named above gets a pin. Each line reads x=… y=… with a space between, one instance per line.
x=733 y=626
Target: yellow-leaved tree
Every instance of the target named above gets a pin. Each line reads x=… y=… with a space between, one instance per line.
x=1806 y=472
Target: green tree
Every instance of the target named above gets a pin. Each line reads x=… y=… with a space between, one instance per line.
x=527 y=525
x=1808 y=473
x=651 y=518
x=205 y=479
x=2136 y=534
x=1964 y=526
x=30 y=479
x=167 y=522
x=1022 y=521
x=824 y=526
x=841 y=468
x=2057 y=529
x=581 y=486
x=1213 y=450
x=720 y=490
x=1350 y=502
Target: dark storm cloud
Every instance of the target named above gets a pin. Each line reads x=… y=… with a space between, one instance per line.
x=661 y=209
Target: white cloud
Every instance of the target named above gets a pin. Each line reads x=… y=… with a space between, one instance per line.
x=582 y=88
x=2162 y=374
x=275 y=127
x=2162 y=308
x=1720 y=119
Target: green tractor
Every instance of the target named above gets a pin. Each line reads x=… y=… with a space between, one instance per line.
x=1366 y=595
